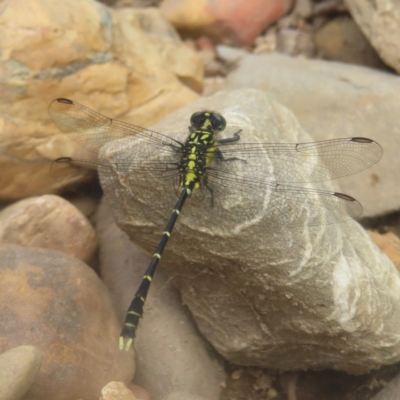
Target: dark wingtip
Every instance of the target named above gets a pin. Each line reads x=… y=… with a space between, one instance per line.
x=344 y=197
x=361 y=140
x=63 y=160
x=63 y=100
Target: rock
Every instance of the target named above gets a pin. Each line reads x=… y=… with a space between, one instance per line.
x=230 y=55
x=333 y=100
x=126 y=63
x=303 y=8
x=267 y=43
x=212 y=85
x=341 y=40
x=184 y=396
x=3 y=5
x=116 y=391
x=380 y=23
x=59 y=305
x=170 y=354
x=295 y=42
x=49 y=222
x=389 y=243
x=390 y=391
x=327 y=7
x=233 y=23
x=139 y=392
x=18 y=369
x=263 y=293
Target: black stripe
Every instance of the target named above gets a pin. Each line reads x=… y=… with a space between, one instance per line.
x=136 y=308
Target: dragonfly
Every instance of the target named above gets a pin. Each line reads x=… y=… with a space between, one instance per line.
x=213 y=173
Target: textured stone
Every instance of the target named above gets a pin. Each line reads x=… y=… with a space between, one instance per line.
x=60 y=306
x=49 y=222
x=170 y=355
x=380 y=22
x=264 y=294
x=333 y=100
x=18 y=369
x=126 y=63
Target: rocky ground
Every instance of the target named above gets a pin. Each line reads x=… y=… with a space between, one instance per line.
x=245 y=306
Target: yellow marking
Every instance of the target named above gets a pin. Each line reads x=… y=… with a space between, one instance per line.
x=188 y=191
x=205 y=142
x=142 y=298
x=157 y=255
x=177 y=211
x=192 y=135
x=167 y=233
x=129 y=344
x=206 y=136
x=194 y=148
x=206 y=124
x=192 y=157
x=121 y=342
x=190 y=177
x=148 y=277
x=134 y=313
x=191 y=164
x=130 y=325
x=210 y=153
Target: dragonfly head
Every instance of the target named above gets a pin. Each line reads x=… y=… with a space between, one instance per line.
x=207 y=119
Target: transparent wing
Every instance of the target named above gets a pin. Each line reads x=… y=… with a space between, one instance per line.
x=277 y=205
x=303 y=162
x=92 y=130
x=138 y=172
x=135 y=188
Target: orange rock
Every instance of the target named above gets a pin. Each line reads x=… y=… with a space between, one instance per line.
x=49 y=222
x=236 y=22
x=127 y=63
x=389 y=243
x=59 y=305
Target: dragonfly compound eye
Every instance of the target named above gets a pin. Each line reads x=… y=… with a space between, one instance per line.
x=218 y=121
x=197 y=119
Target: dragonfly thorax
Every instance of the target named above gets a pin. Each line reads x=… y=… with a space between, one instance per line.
x=197 y=153
x=199 y=148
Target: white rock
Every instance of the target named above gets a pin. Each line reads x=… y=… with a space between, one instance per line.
x=263 y=295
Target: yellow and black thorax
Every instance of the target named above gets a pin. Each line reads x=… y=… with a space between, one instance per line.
x=200 y=147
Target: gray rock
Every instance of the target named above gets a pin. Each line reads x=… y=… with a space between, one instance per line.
x=170 y=355
x=18 y=369
x=230 y=54
x=380 y=23
x=262 y=294
x=342 y=40
x=333 y=100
